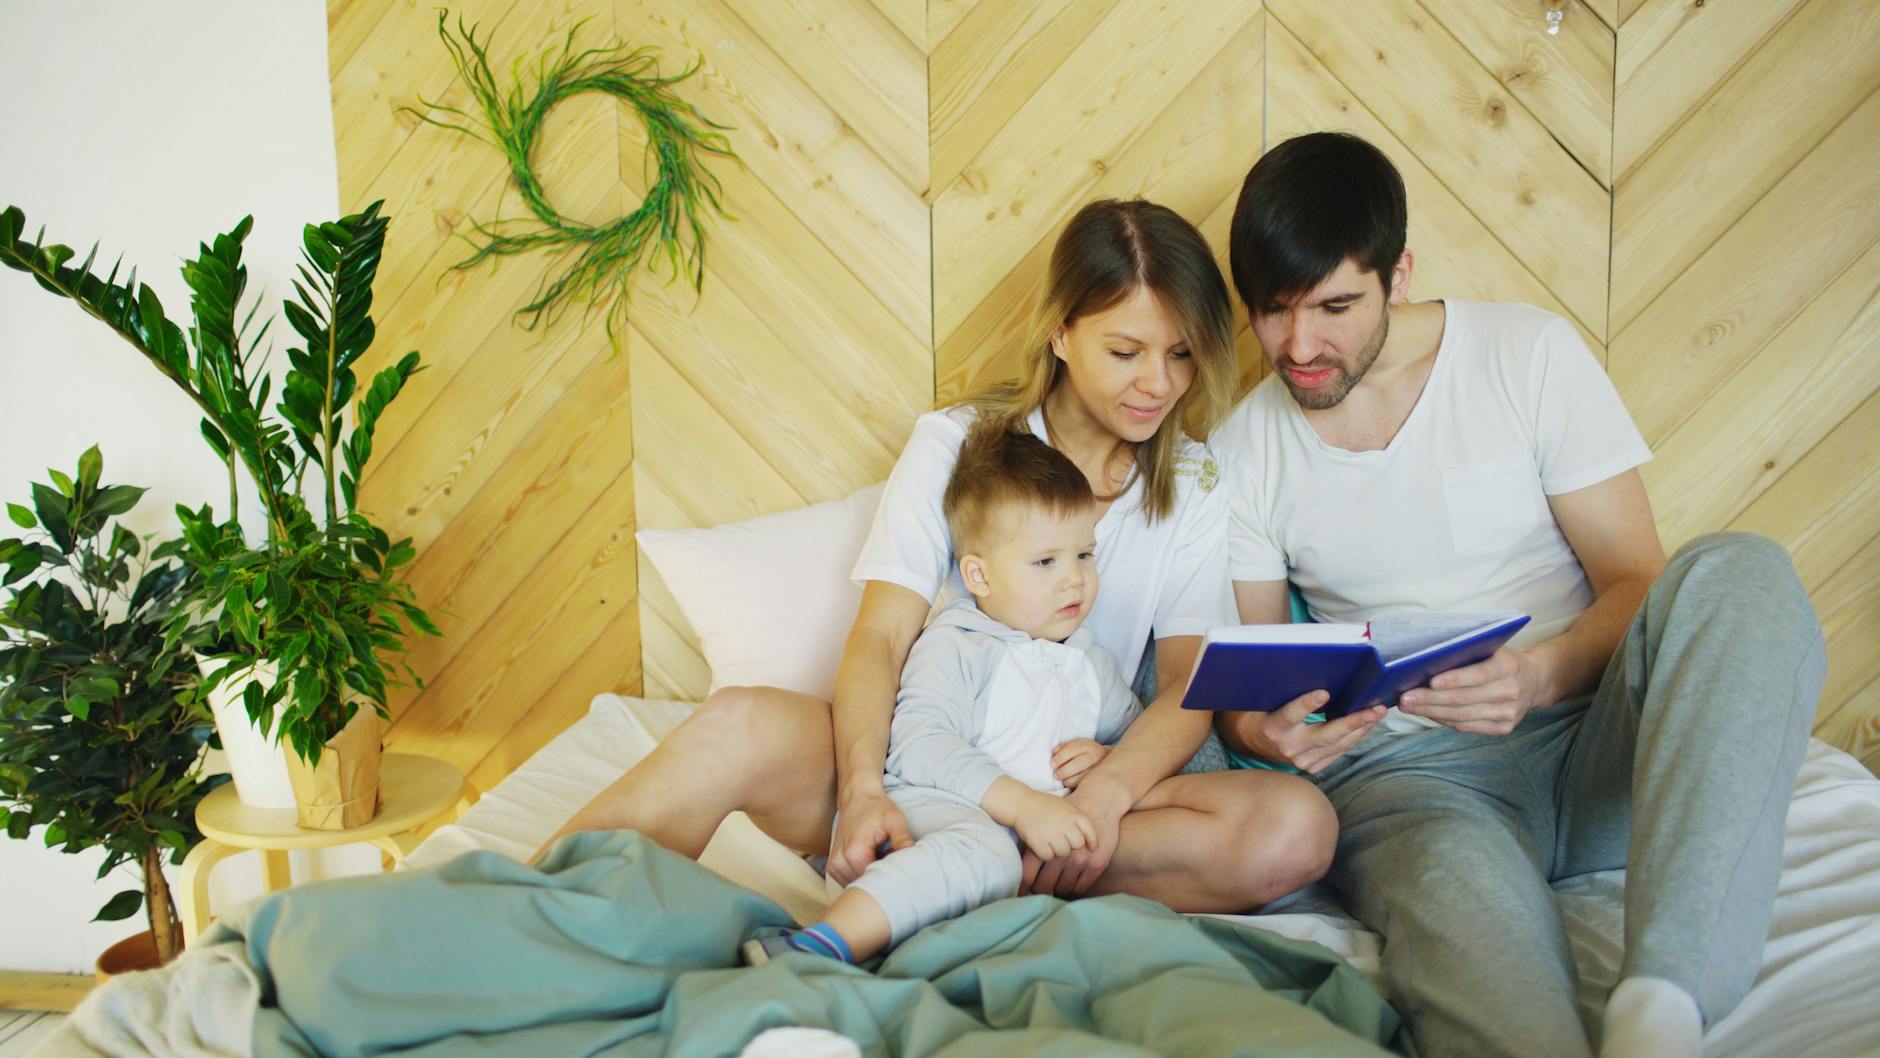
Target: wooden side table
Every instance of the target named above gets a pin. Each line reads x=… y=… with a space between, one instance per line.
x=413 y=790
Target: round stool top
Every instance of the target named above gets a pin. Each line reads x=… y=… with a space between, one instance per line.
x=413 y=790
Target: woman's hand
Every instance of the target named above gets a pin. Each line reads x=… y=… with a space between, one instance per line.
x=866 y=820
x=1072 y=760
x=1104 y=804
x=1283 y=734
x=1052 y=827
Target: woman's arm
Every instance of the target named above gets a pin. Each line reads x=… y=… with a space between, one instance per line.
x=1162 y=739
x=1156 y=746
x=886 y=625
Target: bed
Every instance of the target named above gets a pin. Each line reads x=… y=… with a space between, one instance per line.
x=1815 y=996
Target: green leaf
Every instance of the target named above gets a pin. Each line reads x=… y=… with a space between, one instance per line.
x=90 y=466
x=116 y=500
x=55 y=835
x=22 y=517
x=174 y=839
x=79 y=706
x=64 y=483
x=121 y=906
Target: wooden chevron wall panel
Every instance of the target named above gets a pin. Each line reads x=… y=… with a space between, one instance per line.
x=798 y=374
x=1692 y=184
x=509 y=459
x=1746 y=296
x=1038 y=109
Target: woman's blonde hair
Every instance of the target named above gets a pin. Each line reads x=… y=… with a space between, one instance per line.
x=1109 y=249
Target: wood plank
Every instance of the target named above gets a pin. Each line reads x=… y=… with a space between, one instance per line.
x=1758 y=423
x=1674 y=54
x=785 y=408
x=909 y=17
x=581 y=441
x=883 y=371
x=1195 y=152
x=1849 y=605
x=1045 y=161
x=22 y=990
x=1628 y=8
x=989 y=66
x=1456 y=255
x=1606 y=10
x=452 y=316
x=859 y=64
x=1702 y=177
x=678 y=429
x=793 y=141
x=610 y=663
x=484 y=416
x=943 y=16
x=580 y=584
x=1480 y=140
x=1565 y=79
x=403 y=59
x=1753 y=280
x=349 y=23
x=482 y=374
x=1854 y=725
x=1824 y=508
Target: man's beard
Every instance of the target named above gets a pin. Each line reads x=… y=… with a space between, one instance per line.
x=1340 y=385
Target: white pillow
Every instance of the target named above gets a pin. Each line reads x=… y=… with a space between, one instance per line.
x=770 y=598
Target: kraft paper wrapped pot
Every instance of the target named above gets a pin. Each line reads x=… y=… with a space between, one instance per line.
x=342 y=790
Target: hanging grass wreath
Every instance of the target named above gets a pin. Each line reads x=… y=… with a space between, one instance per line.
x=669 y=224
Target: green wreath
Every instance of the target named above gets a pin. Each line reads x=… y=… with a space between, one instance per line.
x=669 y=223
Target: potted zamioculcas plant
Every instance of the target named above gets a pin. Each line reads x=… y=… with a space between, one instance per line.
x=318 y=604
x=101 y=737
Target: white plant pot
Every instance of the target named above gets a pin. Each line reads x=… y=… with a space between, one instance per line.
x=258 y=763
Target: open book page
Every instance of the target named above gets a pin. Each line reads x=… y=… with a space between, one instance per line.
x=1400 y=635
x=1295 y=633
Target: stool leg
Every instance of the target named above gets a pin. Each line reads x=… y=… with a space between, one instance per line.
x=275 y=874
x=397 y=846
x=193 y=883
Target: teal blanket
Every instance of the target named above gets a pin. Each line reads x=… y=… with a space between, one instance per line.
x=618 y=947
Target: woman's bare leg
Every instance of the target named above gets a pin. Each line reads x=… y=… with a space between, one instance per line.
x=1221 y=841
x=760 y=750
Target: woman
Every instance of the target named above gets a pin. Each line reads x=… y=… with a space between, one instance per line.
x=1132 y=338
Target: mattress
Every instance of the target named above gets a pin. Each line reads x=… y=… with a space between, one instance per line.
x=1814 y=995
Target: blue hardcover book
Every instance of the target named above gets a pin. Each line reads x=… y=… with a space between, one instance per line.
x=1262 y=667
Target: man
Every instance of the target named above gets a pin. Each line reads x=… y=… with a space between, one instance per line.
x=1470 y=457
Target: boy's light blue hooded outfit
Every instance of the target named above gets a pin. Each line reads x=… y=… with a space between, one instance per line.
x=980 y=700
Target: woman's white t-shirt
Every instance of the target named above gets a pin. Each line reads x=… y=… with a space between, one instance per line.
x=1452 y=515
x=1168 y=578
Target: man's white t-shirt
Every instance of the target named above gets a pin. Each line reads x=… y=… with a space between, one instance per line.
x=1169 y=577
x=1452 y=515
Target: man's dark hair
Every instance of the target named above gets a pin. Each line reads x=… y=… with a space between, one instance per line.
x=1311 y=202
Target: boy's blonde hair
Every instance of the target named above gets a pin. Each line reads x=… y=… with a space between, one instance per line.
x=998 y=468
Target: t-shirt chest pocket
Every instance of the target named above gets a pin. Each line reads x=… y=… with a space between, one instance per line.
x=1492 y=505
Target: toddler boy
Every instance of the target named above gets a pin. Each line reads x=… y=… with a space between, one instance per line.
x=1003 y=693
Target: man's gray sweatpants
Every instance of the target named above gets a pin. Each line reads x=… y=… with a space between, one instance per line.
x=961 y=859
x=1680 y=768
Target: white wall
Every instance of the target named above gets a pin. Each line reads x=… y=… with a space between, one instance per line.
x=149 y=128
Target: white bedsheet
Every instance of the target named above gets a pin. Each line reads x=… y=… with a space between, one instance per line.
x=1817 y=995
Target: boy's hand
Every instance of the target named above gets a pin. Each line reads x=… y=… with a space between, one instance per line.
x=1052 y=829
x=1071 y=761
